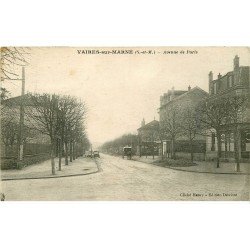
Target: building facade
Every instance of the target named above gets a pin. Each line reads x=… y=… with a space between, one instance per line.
x=172 y=107
x=34 y=142
x=233 y=83
x=148 y=139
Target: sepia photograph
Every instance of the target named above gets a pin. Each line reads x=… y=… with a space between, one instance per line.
x=125 y=123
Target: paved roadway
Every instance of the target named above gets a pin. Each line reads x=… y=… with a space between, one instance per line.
x=122 y=179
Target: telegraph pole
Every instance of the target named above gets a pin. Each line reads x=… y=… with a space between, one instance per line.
x=21 y=123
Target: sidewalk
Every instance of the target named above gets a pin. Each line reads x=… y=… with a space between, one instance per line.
x=80 y=166
x=201 y=166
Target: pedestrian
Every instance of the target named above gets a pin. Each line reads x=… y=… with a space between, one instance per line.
x=2 y=196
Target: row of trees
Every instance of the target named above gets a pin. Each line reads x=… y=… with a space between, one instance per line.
x=58 y=119
x=219 y=115
x=62 y=119
x=180 y=121
x=116 y=146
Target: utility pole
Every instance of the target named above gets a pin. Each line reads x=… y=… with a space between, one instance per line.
x=21 y=123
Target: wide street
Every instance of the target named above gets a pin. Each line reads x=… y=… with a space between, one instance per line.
x=122 y=179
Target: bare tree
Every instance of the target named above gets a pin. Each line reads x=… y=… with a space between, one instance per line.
x=213 y=115
x=42 y=113
x=190 y=126
x=61 y=120
x=9 y=123
x=161 y=138
x=84 y=142
x=237 y=106
x=74 y=118
x=12 y=57
x=78 y=134
x=113 y=147
x=171 y=127
x=59 y=117
x=9 y=134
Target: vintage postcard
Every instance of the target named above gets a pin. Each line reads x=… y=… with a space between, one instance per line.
x=125 y=124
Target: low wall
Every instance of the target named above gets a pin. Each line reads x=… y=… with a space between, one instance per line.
x=197 y=156
x=29 y=149
x=229 y=157
x=199 y=146
x=11 y=162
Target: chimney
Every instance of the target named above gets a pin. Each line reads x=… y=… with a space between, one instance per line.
x=236 y=62
x=189 y=88
x=171 y=97
x=143 y=122
x=210 y=76
x=219 y=76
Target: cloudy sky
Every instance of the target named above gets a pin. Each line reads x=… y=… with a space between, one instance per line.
x=120 y=90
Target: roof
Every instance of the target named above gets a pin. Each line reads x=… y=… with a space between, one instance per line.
x=15 y=100
x=230 y=73
x=184 y=95
x=176 y=92
x=151 y=125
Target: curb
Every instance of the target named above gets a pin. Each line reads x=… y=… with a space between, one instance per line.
x=203 y=172
x=193 y=171
x=51 y=177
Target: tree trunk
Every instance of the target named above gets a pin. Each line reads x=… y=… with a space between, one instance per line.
x=66 y=153
x=218 y=149
x=81 y=150
x=236 y=149
x=226 y=145
x=162 y=156
x=52 y=157
x=70 y=152
x=76 y=151
x=191 y=151
x=153 y=150
x=62 y=144
x=173 y=148
x=57 y=148
x=60 y=155
x=73 y=151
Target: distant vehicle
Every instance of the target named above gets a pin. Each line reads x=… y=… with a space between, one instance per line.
x=96 y=154
x=88 y=154
x=127 y=151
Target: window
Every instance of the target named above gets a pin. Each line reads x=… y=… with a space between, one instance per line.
x=223 y=142
x=223 y=137
x=248 y=137
x=231 y=137
x=247 y=141
x=231 y=142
